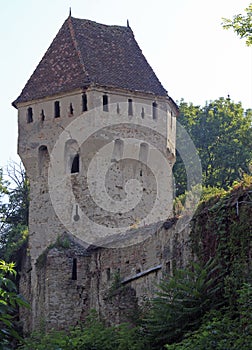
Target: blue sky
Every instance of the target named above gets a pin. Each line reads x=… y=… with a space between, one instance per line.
x=183 y=40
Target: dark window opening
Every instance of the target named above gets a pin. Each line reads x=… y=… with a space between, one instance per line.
x=130 y=106
x=108 y=274
x=56 y=109
x=75 y=168
x=141 y=172
x=154 y=110
x=29 y=115
x=43 y=149
x=171 y=120
x=71 y=110
x=142 y=113
x=105 y=103
x=117 y=108
x=74 y=269
x=42 y=115
x=84 y=103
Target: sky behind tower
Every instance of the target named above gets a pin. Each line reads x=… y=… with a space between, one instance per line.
x=183 y=41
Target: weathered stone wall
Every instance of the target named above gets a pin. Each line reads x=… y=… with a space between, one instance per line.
x=37 y=140
x=63 y=299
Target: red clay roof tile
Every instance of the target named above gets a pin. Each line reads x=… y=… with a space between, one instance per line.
x=85 y=52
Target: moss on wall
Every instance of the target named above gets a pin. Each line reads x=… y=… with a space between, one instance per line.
x=222 y=228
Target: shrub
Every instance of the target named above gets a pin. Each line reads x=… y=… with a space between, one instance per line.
x=182 y=301
x=10 y=300
x=92 y=335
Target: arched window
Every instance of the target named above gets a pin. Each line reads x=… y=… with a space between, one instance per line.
x=43 y=159
x=72 y=157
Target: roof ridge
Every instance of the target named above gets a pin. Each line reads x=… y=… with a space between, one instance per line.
x=99 y=24
x=72 y=33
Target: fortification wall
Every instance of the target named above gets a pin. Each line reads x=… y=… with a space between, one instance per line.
x=72 y=280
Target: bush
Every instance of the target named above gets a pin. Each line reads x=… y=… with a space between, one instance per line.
x=10 y=300
x=92 y=335
x=181 y=303
x=221 y=330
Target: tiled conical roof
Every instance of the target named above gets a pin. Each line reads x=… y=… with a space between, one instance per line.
x=85 y=52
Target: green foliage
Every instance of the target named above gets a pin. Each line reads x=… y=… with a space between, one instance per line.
x=182 y=301
x=62 y=242
x=3 y=194
x=17 y=237
x=220 y=330
x=3 y=185
x=242 y=25
x=221 y=227
x=209 y=193
x=10 y=300
x=93 y=335
x=18 y=196
x=186 y=199
x=222 y=134
x=14 y=205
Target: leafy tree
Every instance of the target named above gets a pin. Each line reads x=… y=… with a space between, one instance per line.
x=14 y=207
x=10 y=300
x=242 y=25
x=222 y=134
x=18 y=196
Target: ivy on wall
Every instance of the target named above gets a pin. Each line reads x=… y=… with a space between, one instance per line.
x=222 y=227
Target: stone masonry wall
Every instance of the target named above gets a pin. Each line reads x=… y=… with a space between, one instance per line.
x=63 y=300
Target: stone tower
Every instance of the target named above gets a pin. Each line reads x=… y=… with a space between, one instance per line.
x=90 y=70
